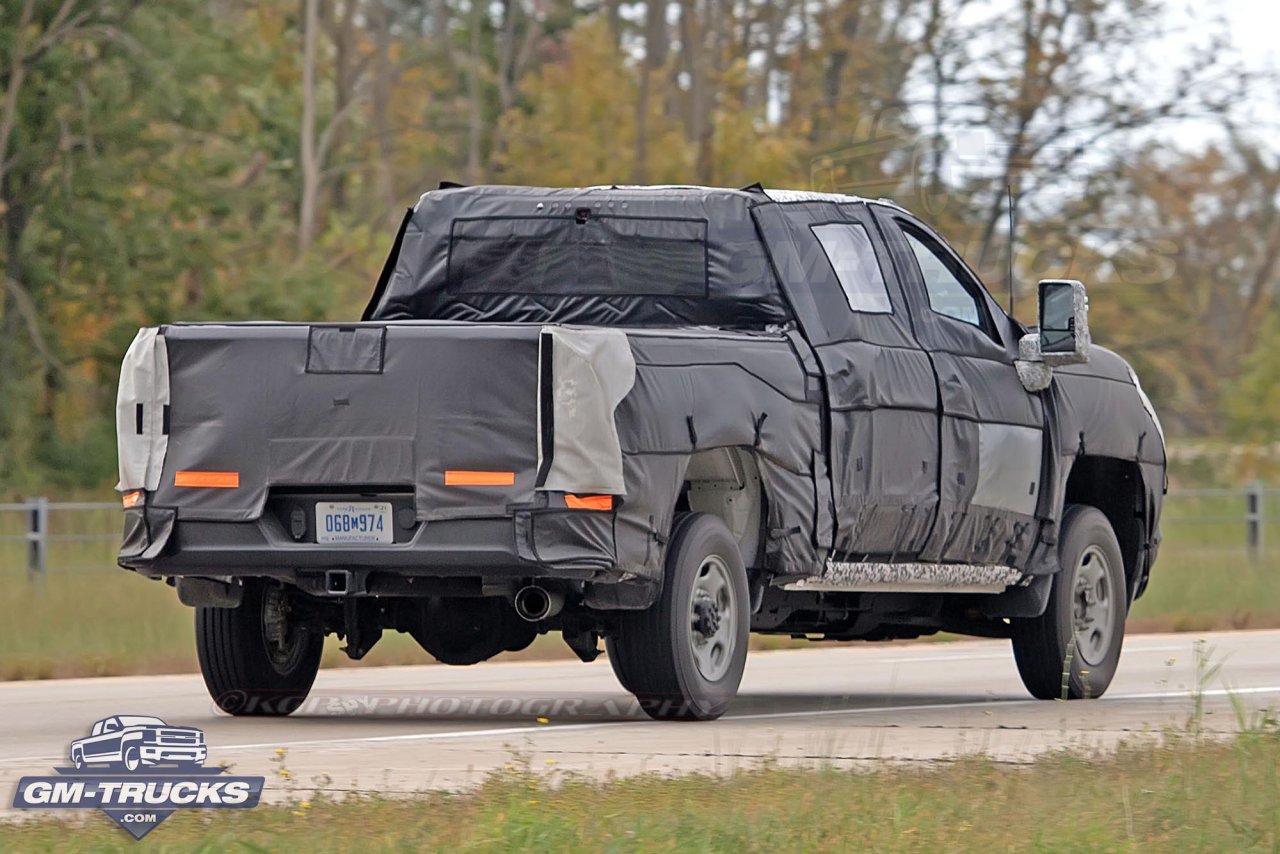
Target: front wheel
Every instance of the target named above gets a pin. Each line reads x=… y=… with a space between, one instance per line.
x=1072 y=650
x=683 y=657
x=257 y=659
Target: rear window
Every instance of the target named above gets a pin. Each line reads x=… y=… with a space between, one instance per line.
x=579 y=254
x=849 y=249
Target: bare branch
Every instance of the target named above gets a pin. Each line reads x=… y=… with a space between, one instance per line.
x=26 y=307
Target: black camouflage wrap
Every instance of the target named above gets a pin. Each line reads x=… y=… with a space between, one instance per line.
x=889 y=437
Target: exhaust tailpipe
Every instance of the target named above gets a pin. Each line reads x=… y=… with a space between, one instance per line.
x=537 y=603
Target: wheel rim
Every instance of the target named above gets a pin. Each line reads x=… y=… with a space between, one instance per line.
x=131 y=759
x=283 y=638
x=1093 y=605
x=712 y=630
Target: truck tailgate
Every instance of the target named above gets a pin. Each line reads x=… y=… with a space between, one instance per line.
x=255 y=407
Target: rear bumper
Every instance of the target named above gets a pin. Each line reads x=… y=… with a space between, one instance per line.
x=569 y=544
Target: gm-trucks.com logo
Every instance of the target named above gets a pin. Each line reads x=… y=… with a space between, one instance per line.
x=138 y=770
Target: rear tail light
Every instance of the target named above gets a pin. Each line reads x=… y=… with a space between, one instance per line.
x=588 y=502
x=208 y=479
x=453 y=477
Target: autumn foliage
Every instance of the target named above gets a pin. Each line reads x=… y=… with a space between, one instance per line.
x=227 y=159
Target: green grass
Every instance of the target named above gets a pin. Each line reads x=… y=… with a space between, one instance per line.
x=96 y=623
x=1196 y=589
x=1183 y=796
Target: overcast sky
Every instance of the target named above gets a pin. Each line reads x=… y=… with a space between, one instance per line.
x=1255 y=33
x=1254 y=24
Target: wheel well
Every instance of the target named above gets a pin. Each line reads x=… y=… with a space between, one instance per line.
x=725 y=482
x=1116 y=488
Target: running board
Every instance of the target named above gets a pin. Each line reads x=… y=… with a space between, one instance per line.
x=910 y=578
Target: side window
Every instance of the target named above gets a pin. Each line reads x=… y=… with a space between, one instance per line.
x=947 y=294
x=849 y=249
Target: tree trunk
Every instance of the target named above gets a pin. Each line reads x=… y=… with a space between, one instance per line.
x=698 y=117
x=710 y=75
x=345 y=38
x=307 y=154
x=14 y=224
x=655 y=56
x=382 y=78
x=475 y=122
x=613 y=17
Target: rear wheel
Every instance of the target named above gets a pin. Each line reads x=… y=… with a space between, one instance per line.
x=1072 y=650
x=619 y=668
x=683 y=657
x=257 y=659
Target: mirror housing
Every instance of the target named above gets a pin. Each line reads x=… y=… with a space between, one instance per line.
x=1064 y=322
x=1063 y=337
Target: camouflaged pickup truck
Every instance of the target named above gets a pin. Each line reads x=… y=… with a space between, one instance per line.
x=657 y=417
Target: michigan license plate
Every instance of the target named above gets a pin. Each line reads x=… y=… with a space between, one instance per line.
x=353 y=522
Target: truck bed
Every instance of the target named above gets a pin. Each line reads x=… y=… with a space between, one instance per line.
x=495 y=444
x=361 y=407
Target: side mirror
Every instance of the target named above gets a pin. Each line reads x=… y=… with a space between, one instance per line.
x=1064 y=322
x=1063 y=338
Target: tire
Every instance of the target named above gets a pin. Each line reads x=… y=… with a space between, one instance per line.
x=132 y=759
x=683 y=656
x=1071 y=651
x=615 y=661
x=246 y=672
x=77 y=758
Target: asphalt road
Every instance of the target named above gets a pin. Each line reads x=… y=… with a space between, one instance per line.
x=403 y=729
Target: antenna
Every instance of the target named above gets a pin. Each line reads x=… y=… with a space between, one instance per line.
x=1008 y=188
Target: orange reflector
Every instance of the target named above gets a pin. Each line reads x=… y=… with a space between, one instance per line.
x=208 y=479
x=479 y=478
x=588 y=502
x=131 y=499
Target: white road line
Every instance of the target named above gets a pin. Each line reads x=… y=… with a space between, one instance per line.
x=1002 y=655
x=946 y=654
x=342 y=677
x=1190 y=693
x=761 y=716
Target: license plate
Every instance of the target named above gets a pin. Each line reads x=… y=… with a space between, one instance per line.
x=353 y=522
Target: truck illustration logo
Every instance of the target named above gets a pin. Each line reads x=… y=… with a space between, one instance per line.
x=134 y=741
x=138 y=770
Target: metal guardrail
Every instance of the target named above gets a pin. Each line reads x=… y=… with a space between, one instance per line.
x=1234 y=518
x=38 y=535
x=1254 y=500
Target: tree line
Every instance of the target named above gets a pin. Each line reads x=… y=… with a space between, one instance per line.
x=227 y=159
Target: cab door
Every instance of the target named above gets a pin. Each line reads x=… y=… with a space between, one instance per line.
x=882 y=425
x=992 y=436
